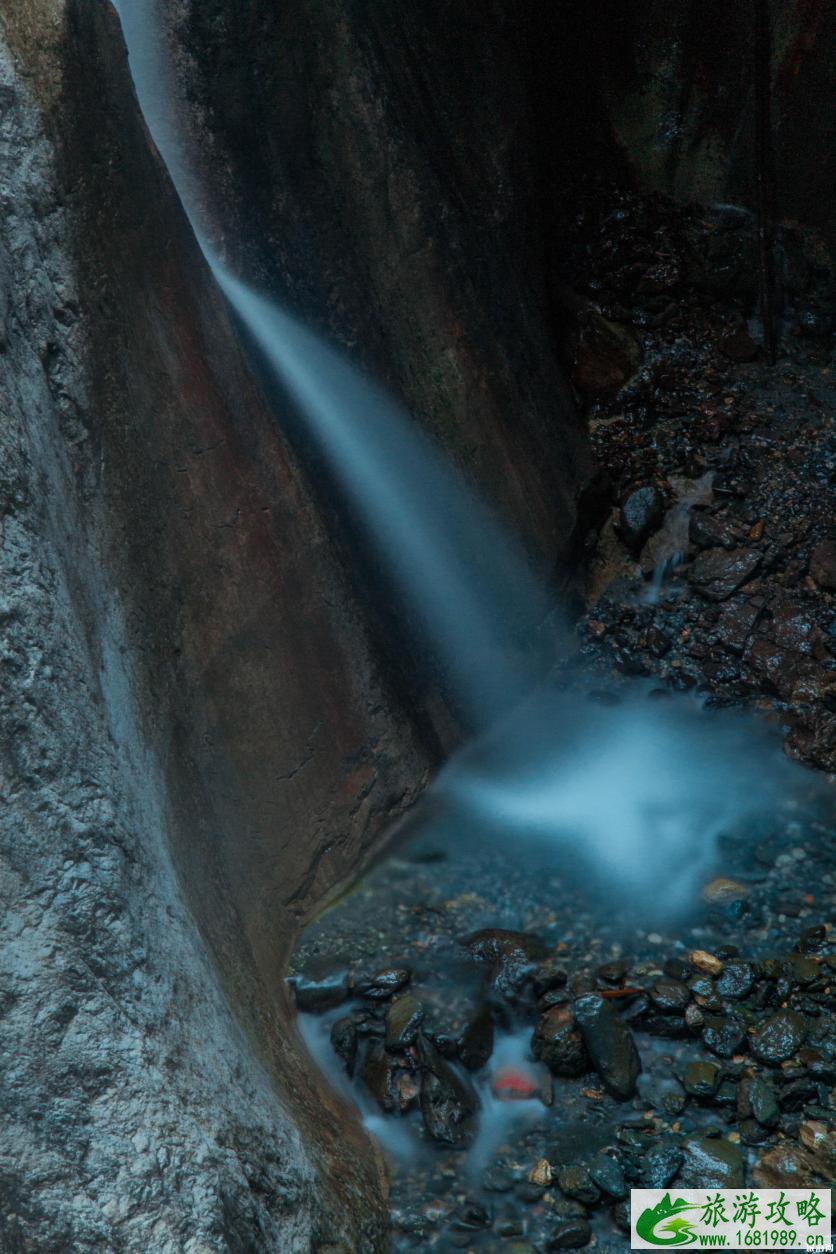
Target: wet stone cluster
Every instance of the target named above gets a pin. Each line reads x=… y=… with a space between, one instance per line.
x=713 y=559
x=524 y=1046
x=703 y=1068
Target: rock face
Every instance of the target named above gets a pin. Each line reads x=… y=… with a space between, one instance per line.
x=380 y=174
x=197 y=739
x=672 y=84
x=202 y=734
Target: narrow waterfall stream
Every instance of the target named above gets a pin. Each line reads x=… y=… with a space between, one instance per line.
x=582 y=856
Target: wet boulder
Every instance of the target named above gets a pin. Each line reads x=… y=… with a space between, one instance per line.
x=576 y=1182
x=315 y=995
x=757 y=1100
x=558 y=1043
x=403 y=1019
x=661 y=1165
x=724 y=1035
x=470 y=1217
x=736 y=980
x=820 y=1143
x=607 y=354
x=737 y=621
x=384 y=984
x=718 y=573
x=608 y=1175
x=701 y=1079
x=711 y=1163
x=509 y=957
x=707 y=530
x=737 y=344
x=549 y=976
x=344 y=1042
x=641 y=515
x=476 y=1042
x=448 y=1101
x=787 y=1166
x=392 y=1081
x=609 y=1043
x=379 y=1075
x=779 y=1037
x=570 y=1234
x=670 y=996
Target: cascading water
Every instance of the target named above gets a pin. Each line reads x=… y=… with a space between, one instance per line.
x=639 y=792
x=485 y=615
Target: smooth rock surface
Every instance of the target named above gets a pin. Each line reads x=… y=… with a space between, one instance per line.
x=610 y=1045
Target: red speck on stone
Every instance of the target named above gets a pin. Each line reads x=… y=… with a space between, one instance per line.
x=809 y=899
x=510 y=1085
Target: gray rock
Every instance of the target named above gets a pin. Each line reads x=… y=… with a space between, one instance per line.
x=403 y=1019
x=718 y=573
x=779 y=1037
x=701 y=1079
x=136 y=1115
x=641 y=515
x=609 y=1043
x=476 y=1043
x=712 y=1163
x=558 y=1043
x=448 y=1102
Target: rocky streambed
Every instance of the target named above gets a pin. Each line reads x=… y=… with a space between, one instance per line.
x=525 y=1053
x=528 y=1041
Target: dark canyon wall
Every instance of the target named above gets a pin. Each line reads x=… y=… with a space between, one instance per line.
x=201 y=732
x=374 y=168
x=665 y=90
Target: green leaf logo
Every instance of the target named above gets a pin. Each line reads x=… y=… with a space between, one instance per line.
x=680 y=1229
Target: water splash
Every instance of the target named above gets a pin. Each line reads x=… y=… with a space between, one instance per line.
x=398 y=1138
x=403 y=1139
x=500 y=1120
x=634 y=796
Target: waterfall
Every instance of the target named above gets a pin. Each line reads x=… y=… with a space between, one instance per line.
x=466 y=580
x=640 y=792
